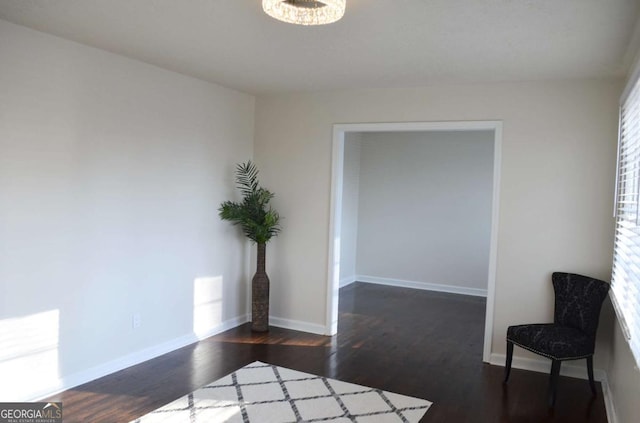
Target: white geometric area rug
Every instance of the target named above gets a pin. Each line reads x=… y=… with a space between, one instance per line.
x=263 y=393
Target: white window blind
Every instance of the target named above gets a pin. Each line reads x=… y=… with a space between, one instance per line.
x=625 y=283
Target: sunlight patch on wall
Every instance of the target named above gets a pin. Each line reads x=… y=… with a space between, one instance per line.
x=207 y=305
x=29 y=355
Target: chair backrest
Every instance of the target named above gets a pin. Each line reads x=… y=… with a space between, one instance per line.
x=578 y=301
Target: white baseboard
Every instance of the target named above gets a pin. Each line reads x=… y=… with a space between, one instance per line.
x=347 y=281
x=423 y=285
x=297 y=325
x=93 y=373
x=225 y=326
x=544 y=366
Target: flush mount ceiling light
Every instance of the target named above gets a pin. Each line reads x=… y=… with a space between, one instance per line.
x=305 y=12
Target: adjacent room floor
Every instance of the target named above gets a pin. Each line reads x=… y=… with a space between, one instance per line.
x=418 y=343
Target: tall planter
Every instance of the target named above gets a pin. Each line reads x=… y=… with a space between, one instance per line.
x=259 y=223
x=260 y=294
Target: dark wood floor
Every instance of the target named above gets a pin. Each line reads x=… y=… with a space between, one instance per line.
x=418 y=343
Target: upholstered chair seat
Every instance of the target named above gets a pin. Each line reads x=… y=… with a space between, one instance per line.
x=551 y=341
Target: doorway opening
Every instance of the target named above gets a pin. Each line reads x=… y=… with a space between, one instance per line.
x=342 y=132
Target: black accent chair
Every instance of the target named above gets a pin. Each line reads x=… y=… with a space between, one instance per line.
x=572 y=335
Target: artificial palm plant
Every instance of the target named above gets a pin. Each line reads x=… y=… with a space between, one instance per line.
x=260 y=223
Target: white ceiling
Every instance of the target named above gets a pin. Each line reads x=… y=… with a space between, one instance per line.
x=379 y=43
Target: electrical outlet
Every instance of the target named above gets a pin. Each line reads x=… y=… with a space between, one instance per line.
x=136 y=320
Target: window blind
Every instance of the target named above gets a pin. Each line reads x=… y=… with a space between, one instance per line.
x=625 y=281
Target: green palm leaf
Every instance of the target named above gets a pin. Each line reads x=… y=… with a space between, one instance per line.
x=258 y=221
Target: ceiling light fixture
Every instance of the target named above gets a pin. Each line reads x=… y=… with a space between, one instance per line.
x=305 y=12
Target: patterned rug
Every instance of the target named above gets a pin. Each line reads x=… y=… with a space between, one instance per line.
x=263 y=393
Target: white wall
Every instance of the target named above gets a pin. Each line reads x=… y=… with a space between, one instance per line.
x=557 y=177
x=350 y=201
x=425 y=208
x=624 y=379
x=111 y=173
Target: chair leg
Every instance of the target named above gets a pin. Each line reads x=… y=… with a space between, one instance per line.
x=553 y=381
x=507 y=365
x=592 y=383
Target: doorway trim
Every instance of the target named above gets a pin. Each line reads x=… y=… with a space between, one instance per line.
x=335 y=216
